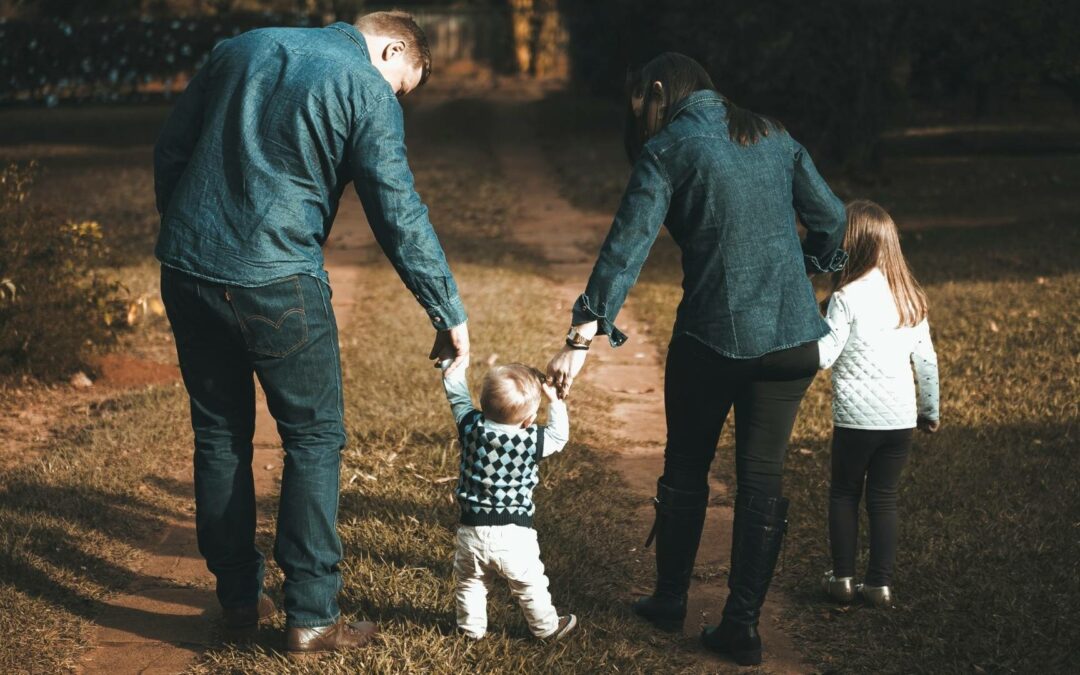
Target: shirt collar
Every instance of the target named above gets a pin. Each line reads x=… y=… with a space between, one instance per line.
x=508 y=429
x=353 y=33
x=700 y=97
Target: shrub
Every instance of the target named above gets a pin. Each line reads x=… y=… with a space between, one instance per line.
x=54 y=308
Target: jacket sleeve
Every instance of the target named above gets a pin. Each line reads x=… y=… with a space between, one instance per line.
x=839 y=317
x=925 y=361
x=178 y=137
x=822 y=213
x=637 y=223
x=398 y=218
x=557 y=429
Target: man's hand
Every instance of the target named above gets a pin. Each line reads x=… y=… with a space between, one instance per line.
x=927 y=425
x=451 y=344
x=564 y=367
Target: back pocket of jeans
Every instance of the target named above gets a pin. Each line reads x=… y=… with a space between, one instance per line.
x=271 y=317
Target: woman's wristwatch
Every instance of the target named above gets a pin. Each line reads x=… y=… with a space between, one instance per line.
x=575 y=340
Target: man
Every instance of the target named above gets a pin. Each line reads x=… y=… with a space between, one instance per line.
x=249 y=170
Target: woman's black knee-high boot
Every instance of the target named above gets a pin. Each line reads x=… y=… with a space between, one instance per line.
x=758 y=533
x=680 y=516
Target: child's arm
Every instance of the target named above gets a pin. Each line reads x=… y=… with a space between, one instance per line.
x=924 y=358
x=839 y=318
x=557 y=431
x=457 y=391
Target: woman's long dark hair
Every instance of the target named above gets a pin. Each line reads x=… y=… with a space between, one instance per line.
x=653 y=92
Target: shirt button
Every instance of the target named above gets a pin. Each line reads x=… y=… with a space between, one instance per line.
x=438 y=319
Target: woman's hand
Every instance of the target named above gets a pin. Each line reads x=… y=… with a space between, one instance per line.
x=564 y=367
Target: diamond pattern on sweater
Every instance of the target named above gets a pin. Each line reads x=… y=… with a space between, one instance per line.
x=498 y=471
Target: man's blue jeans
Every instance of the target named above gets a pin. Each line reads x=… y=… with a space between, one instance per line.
x=285 y=334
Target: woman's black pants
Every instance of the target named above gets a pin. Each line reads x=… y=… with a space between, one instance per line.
x=701 y=386
x=876 y=458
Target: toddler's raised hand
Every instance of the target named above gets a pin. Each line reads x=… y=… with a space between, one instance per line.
x=550 y=392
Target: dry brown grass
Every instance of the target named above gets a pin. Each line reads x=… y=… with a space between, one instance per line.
x=987 y=575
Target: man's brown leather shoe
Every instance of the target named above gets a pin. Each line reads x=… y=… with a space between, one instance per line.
x=250 y=616
x=331 y=638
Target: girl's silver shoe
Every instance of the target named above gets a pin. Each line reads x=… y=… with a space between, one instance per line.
x=841 y=589
x=878 y=596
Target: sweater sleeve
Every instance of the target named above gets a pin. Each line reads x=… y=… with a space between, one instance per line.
x=557 y=430
x=924 y=359
x=839 y=317
x=457 y=392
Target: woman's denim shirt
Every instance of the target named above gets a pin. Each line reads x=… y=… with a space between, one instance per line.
x=732 y=210
x=253 y=160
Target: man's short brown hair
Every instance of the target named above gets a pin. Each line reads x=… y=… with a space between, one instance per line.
x=510 y=393
x=400 y=25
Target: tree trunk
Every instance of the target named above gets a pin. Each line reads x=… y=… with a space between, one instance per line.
x=521 y=23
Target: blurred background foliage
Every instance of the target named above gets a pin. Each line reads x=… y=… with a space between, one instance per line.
x=838 y=73
x=54 y=308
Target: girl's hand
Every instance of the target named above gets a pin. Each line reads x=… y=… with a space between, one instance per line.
x=564 y=367
x=927 y=425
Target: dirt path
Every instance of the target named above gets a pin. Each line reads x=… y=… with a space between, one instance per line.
x=568 y=240
x=162 y=622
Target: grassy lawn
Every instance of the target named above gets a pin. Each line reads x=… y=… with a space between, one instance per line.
x=987 y=574
x=71 y=522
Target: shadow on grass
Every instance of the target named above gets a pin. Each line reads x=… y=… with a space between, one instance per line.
x=986 y=576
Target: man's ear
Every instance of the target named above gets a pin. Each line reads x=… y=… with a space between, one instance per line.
x=393 y=49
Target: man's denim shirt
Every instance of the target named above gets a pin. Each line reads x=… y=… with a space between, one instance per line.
x=254 y=158
x=732 y=210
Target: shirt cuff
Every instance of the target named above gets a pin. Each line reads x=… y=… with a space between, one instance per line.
x=584 y=313
x=832 y=263
x=447 y=315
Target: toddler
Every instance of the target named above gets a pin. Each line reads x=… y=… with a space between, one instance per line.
x=501 y=448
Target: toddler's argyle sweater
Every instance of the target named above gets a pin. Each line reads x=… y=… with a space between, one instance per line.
x=498 y=473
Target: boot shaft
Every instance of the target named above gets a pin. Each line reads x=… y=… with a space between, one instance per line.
x=757 y=536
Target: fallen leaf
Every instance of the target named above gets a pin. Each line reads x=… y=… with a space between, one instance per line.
x=80 y=381
x=994 y=327
x=805 y=451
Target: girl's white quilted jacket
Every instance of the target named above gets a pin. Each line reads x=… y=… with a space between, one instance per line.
x=872 y=359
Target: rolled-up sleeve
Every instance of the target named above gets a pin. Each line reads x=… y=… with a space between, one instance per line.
x=637 y=223
x=822 y=213
x=398 y=218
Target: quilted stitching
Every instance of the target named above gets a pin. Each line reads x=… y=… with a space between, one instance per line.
x=873 y=383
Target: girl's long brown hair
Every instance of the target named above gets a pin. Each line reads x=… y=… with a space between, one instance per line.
x=873 y=241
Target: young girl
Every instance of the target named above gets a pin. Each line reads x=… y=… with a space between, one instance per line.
x=878 y=329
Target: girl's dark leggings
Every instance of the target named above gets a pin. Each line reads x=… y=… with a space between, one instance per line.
x=876 y=458
x=701 y=386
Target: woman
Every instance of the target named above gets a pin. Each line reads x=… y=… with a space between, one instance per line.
x=729 y=185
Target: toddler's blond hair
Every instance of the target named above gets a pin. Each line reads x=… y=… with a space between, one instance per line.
x=510 y=393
